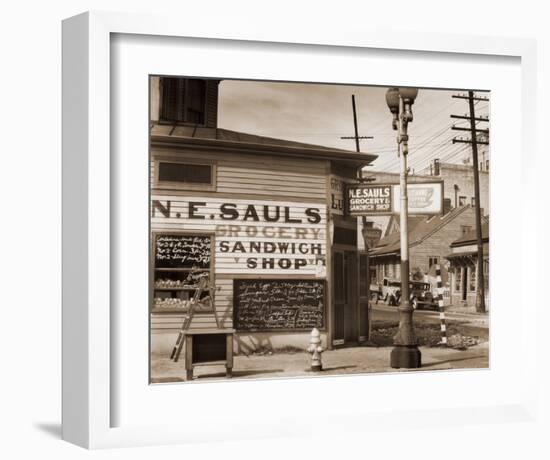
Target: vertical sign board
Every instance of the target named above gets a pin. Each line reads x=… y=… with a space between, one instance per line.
x=384 y=199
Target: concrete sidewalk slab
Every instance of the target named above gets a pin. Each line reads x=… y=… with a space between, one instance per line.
x=357 y=360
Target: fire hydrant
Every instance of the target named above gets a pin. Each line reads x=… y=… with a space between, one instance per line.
x=315 y=349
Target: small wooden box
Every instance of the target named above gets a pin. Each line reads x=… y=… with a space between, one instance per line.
x=208 y=347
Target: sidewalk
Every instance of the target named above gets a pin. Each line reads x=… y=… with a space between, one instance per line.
x=356 y=360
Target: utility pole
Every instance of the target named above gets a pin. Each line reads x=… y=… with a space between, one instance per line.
x=356 y=137
x=362 y=179
x=474 y=141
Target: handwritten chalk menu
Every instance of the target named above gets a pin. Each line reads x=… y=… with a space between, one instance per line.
x=261 y=305
x=182 y=251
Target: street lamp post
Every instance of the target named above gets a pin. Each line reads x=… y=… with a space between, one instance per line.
x=405 y=353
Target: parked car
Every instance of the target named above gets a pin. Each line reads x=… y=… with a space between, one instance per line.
x=420 y=294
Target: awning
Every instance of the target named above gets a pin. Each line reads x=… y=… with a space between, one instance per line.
x=457 y=255
x=384 y=254
x=463 y=258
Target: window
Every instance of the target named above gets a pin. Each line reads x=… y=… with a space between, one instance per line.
x=347 y=236
x=465 y=229
x=458 y=278
x=432 y=260
x=183 y=100
x=182 y=174
x=462 y=201
x=472 y=279
x=473 y=201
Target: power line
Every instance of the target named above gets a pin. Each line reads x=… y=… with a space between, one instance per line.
x=419 y=147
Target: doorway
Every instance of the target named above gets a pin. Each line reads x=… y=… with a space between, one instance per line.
x=346 y=318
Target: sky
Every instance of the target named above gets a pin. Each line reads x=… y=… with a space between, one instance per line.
x=320 y=114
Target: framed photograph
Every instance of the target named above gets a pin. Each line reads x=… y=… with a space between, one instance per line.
x=262 y=232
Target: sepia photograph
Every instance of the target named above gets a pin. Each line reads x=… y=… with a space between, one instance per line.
x=309 y=230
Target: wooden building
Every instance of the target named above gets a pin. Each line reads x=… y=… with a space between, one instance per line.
x=429 y=241
x=260 y=218
x=464 y=268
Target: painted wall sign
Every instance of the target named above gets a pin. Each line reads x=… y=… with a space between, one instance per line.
x=251 y=236
x=384 y=199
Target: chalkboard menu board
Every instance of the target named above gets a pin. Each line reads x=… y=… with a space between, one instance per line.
x=182 y=251
x=263 y=305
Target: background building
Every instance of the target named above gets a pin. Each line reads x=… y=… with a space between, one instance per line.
x=459 y=182
x=464 y=270
x=429 y=242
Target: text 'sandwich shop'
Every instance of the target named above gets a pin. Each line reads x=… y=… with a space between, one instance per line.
x=262 y=230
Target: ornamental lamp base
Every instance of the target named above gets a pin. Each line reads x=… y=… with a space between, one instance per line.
x=405 y=357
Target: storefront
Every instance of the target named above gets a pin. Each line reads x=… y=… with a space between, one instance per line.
x=464 y=268
x=262 y=220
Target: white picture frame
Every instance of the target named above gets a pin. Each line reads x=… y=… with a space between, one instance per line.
x=91 y=369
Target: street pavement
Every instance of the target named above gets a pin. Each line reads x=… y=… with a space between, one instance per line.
x=471 y=323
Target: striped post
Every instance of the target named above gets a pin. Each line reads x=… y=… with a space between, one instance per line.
x=441 y=306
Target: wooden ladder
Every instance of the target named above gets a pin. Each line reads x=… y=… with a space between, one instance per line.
x=202 y=285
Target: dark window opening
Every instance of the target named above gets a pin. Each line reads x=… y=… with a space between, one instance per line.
x=185 y=172
x=345 y=236
x=183 y=100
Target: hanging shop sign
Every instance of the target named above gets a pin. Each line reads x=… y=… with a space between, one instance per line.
x=369 y=199
x=371 y=236
x=384 y=199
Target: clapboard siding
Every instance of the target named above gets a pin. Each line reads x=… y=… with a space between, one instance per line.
x=245 y=179
x=223 y=302
x=259 y=175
